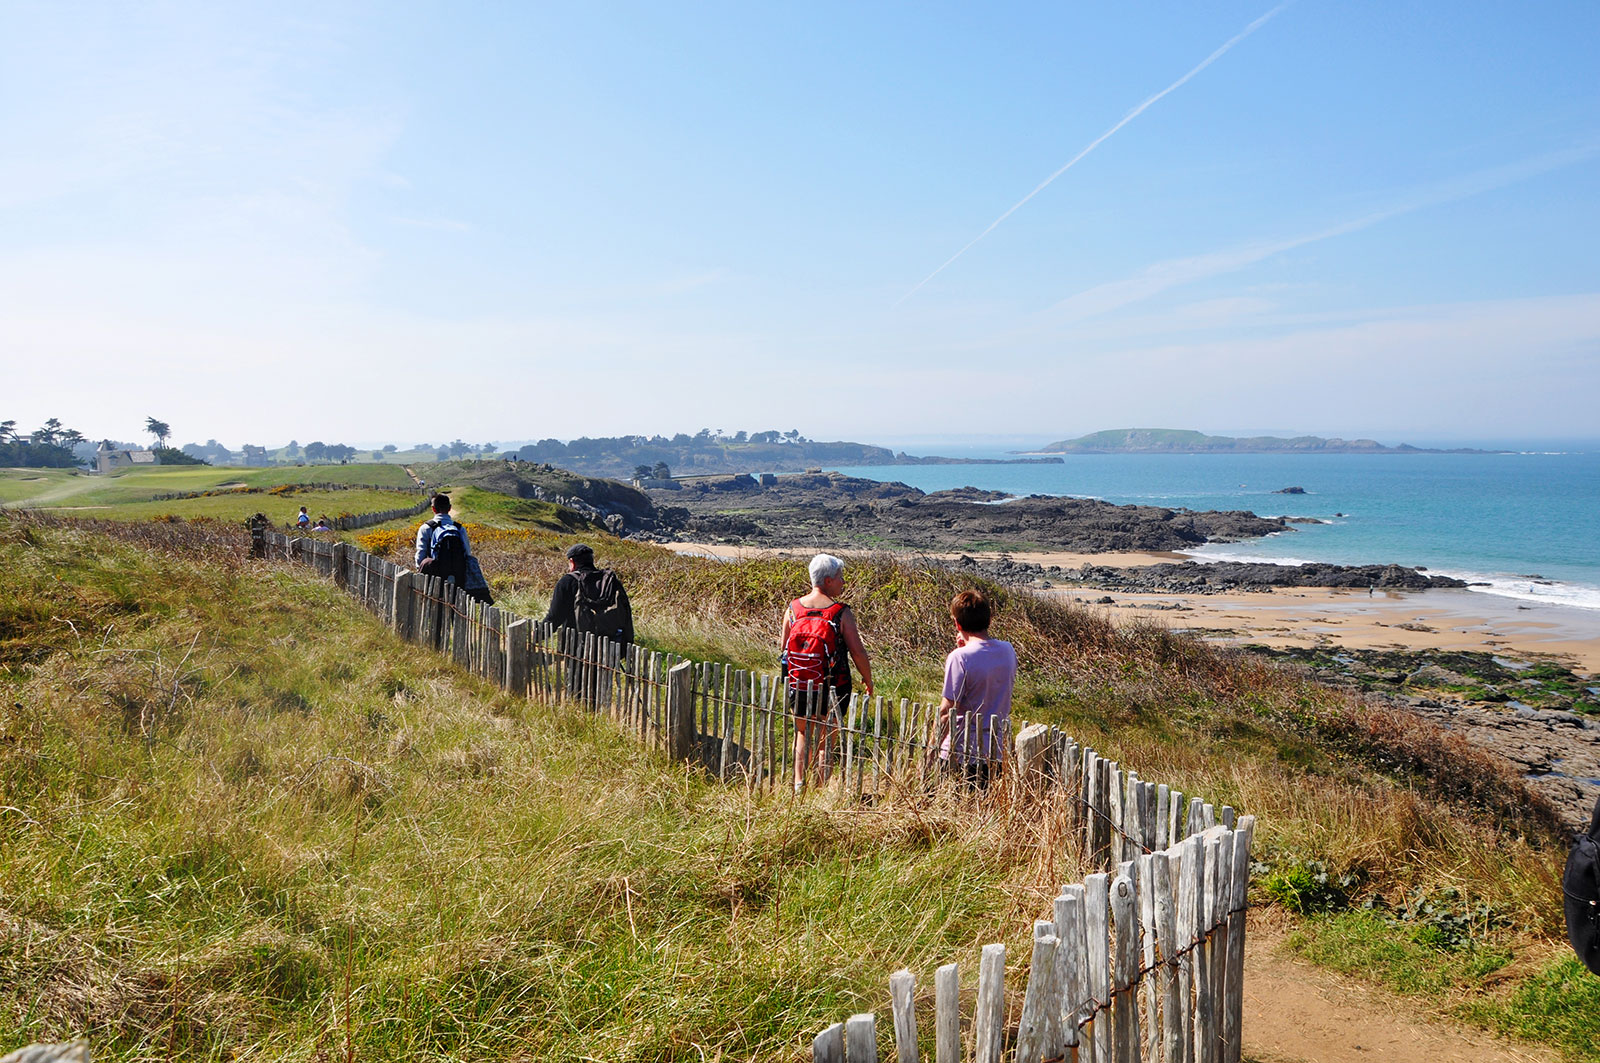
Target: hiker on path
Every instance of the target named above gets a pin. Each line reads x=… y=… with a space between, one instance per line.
x=443 y=551
x=590 y=599
x=819 y=640
x=979 y=675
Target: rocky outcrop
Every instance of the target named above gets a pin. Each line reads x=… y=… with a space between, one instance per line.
x=1222 y=576
x=815 y=507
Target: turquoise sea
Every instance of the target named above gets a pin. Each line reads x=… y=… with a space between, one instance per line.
x=1525 y=523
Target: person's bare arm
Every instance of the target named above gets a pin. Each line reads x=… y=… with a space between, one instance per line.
x=858 y=652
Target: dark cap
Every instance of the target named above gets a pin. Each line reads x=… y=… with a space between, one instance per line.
x=580 y=552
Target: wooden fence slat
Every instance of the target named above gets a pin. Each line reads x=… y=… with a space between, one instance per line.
x=1039 y=1030
x=1219 y=895
x=1238 y=897
x=1125 y=1005
x=989 y=1019
x=1166 y=909
x=902 y=997
x=1150 y=1001
x=1097 y=950
x=1190 y=877
x=1070 y=960
x=861 y=1038
x=947 y=1014
x=828 y=1046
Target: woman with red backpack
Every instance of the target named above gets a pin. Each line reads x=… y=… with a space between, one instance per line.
x=819 y=640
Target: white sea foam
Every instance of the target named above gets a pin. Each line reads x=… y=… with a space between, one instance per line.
x=1546 y=592
x=1500 y=584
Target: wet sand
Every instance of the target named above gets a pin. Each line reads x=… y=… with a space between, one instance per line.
x=1310 y=616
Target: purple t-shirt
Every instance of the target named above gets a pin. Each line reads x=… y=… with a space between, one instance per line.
x=978 y=677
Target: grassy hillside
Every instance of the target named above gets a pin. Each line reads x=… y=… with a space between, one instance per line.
x=239 y=817
x=242 y=821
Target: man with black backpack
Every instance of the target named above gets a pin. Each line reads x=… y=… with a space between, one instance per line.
x=443 y=551
x=590 y=599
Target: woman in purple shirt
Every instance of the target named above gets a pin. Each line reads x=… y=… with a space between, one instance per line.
x=976 y=707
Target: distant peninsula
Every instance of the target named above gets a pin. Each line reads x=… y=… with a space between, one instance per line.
x=710 y=453
x=1181 y=441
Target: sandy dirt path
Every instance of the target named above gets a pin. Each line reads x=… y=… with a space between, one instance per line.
x=1297 y=1013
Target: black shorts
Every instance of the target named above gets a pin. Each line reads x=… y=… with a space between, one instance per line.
x=816 y=703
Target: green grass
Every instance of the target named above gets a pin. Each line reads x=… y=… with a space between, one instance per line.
x=475 y=505
x=242 y=821
x=54 y=488
x=281 y=508
x=130 y=494
x=1558 y=1005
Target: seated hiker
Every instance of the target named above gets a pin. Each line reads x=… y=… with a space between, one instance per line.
x=820 y=639
x=303 y=519
x=978 y=678
x=323 y=524
x=590 y=599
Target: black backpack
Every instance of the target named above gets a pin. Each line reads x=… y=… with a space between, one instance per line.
x=449 y=557
x=1581 y=884
x=600 y=604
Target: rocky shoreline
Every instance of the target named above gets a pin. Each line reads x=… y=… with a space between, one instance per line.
x=1541 y=718
x=816 y=509
x=1215 y=577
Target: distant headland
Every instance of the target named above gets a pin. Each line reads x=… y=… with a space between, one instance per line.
x=1182 y=441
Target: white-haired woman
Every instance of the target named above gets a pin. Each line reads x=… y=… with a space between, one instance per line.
x=820 y=639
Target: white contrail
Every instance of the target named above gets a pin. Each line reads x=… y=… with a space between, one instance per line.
x=1101 y=139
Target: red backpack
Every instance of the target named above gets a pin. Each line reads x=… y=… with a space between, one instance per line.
x=811 y=653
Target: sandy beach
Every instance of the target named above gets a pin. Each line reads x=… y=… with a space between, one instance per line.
x=1303 y=616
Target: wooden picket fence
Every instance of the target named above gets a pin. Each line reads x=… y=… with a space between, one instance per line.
x=1140 y=962
x=1144 y=966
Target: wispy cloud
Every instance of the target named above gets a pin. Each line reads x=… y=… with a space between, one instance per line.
x=1171 y=273
x=1101 y=139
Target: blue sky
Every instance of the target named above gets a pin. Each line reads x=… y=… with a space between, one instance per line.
x=371 y=222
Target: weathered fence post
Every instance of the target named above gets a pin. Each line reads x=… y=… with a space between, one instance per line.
x=902 y=995
x=1125 y=1002
x=1239 y=890
x=680 y=710
x=517 y=657
x=1039 y=1030
x=828 y=1046
x=990 y=1017
x=861 y=1038
x=947 y=1014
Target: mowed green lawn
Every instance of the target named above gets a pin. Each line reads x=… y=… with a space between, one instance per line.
x=131 y=494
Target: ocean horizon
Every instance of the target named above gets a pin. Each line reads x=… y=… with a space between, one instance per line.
x=1518 y=524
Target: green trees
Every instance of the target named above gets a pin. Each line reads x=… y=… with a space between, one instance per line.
x=47 y=447
x=160 y=429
